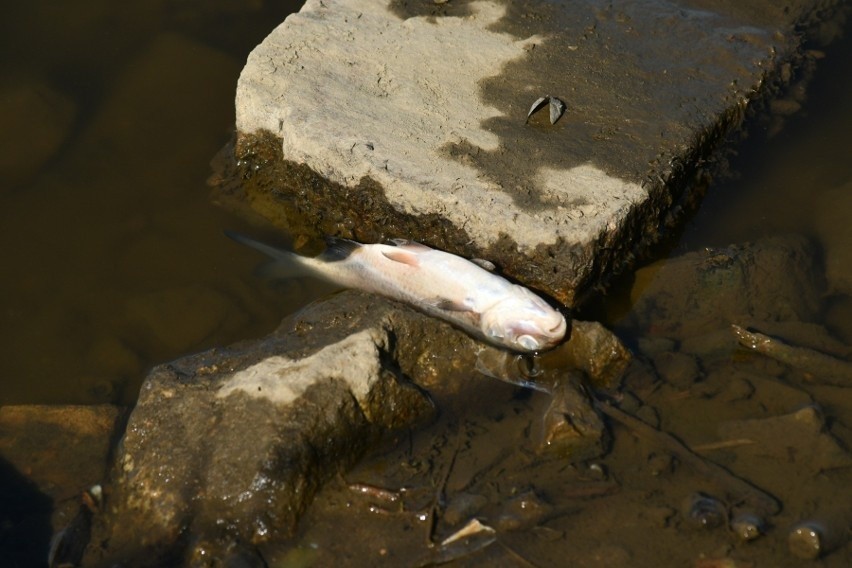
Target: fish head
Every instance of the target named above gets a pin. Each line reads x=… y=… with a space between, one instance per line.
x=522 y=321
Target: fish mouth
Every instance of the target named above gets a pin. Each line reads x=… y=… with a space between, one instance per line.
x=560 y=328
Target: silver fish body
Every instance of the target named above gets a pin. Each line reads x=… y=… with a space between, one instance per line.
x=439 y=284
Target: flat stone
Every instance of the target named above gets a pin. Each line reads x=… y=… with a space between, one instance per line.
x=410 y=120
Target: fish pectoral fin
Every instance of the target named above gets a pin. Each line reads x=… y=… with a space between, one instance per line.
x=451 y=305
x=403 y=256
x=486 y=264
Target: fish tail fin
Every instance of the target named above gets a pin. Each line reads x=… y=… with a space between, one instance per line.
x=284 y=264
x=270 y=251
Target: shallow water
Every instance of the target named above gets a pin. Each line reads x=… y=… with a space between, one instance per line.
x=116 y=261
x=114 y=254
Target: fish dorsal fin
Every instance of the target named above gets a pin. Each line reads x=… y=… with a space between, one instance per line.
x=486 y=264
x=403 y=256
x=338 y=249
x=410 y=245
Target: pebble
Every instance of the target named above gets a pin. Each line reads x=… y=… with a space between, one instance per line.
x=747 y=526
x=522 y=512
x=705 y=512
x=678 y=369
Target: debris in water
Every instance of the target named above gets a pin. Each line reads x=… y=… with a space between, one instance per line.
x=821 y=368
x=472 y=528
x=384 y=499
x=471 y=538
x=69 y=544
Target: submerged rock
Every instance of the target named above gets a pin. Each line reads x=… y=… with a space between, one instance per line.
x=835 y=232
x=35 y=120
x=773 y=279
x=571 y=427
x=800 y=437
x=522 y=512
x=593 y=349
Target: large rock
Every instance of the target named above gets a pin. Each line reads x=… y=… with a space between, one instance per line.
x=232 y=444
x=382 y=119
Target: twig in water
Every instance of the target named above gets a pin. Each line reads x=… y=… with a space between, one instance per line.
x=742 y=489
x=439 y=492
x=824 y=369
x=724 y=444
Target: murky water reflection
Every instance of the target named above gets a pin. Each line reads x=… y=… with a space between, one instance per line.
x=114 y=256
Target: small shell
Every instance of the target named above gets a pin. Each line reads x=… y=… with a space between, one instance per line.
x=806 y=540
x=557 y=107
x=747 y=526
x=703 y=511
x=539 y=102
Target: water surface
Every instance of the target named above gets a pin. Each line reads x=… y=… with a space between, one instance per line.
x=113 y=253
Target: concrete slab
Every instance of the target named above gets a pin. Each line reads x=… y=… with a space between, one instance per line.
x=403 y=119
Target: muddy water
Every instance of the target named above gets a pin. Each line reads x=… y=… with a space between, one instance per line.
x=113 y=254
x=115 y=260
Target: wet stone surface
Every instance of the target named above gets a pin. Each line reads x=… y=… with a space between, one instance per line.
x=227 y=448
x=374 y=120
x=234 y=443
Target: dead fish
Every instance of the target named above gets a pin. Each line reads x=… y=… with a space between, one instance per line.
x=437 y=283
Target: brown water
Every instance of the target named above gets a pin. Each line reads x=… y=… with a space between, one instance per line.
x=115 y=260
x=114 y=255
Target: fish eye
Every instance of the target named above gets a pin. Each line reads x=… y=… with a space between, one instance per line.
x=528 y=342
